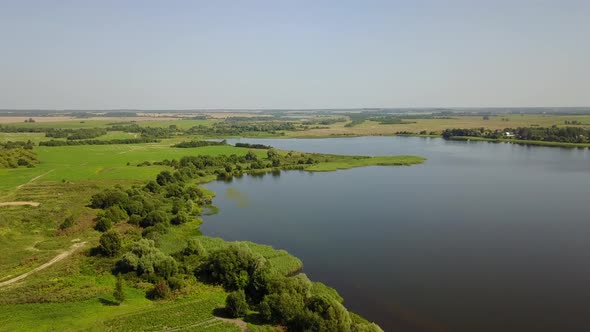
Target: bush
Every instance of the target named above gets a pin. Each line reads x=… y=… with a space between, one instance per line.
x=103 y=224
x=160 y=291
x=153 y=218
x=181 y=218
x=67 y=223
x=115 y=213
x=236 y=305
x=110 y=243
x=119 y=294
x=148 y=261
x=194 y=247
x=232 y=266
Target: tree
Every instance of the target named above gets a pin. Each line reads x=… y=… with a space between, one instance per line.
x=161 y=290
x=236 y=305
x=194 y=247
x=119 y=294
x=251 y=156
x=181 y=218
x=153 y=218
x=110 y=243
x=103 y=224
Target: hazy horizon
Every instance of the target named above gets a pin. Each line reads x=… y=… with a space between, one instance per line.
x=185 y=55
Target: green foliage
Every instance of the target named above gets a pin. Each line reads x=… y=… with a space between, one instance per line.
x=233 y=266
x=54 y=143
x=160 y=291
x=194 y=247
x=197 y=144
x=115 y=213
x=180 y=218
x=236 y=305
x=67 y=223
x=17 y=157
x=154 y=217
x=119 y=293
x=110 y=243
x=147 y=261
x=103 y=224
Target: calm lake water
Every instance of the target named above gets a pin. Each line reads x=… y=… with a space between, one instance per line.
x=482 y=237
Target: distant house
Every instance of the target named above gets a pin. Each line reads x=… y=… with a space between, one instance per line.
x=508 y=134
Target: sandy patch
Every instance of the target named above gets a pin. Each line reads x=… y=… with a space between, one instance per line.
x=20 y=203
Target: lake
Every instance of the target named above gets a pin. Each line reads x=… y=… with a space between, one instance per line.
x=481 y=237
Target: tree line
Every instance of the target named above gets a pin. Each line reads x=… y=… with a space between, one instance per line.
x=197 y=144
x=53 y=142
x=550 y=134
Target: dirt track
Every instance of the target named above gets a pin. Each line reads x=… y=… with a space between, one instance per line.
x=19 y=203
x=55 y=259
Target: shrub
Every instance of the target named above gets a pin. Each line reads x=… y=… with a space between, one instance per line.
x=153 y=218
x=194 y=247
x=119 y=294
x=181 y=218
x=67 y=223
x=236 y=305
x=103 y=224
x=160 y=291
x=110 y=243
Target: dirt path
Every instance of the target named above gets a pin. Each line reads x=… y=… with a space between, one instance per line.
x=19 y=203
x=243 y=325
x=35 y=178
x=55 y=259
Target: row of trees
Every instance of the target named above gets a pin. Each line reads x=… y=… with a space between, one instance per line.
x=551 y=134
x=151 y=132
x=197 y=144
x=99 y=142
x=75 y=134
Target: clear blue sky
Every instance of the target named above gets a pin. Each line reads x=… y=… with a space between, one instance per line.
x=293 y=54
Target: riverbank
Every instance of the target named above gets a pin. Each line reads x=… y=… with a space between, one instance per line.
x=521 y=142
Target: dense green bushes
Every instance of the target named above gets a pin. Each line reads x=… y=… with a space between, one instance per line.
x=99 y=142
x=236 y=305
x=552 y=134
x=197 y=144
x=17 y=154
x=252 y=146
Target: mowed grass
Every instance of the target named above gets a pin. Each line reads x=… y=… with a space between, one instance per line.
x=103 y=162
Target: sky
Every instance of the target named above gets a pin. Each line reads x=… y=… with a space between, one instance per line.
x=293 y=54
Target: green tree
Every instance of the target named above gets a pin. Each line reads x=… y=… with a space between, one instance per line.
x=110 y=243
x=181 y=218
x=103 y=224
x=161 y=290
x=119 y=294
x=235 y=304
x=194 y=247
